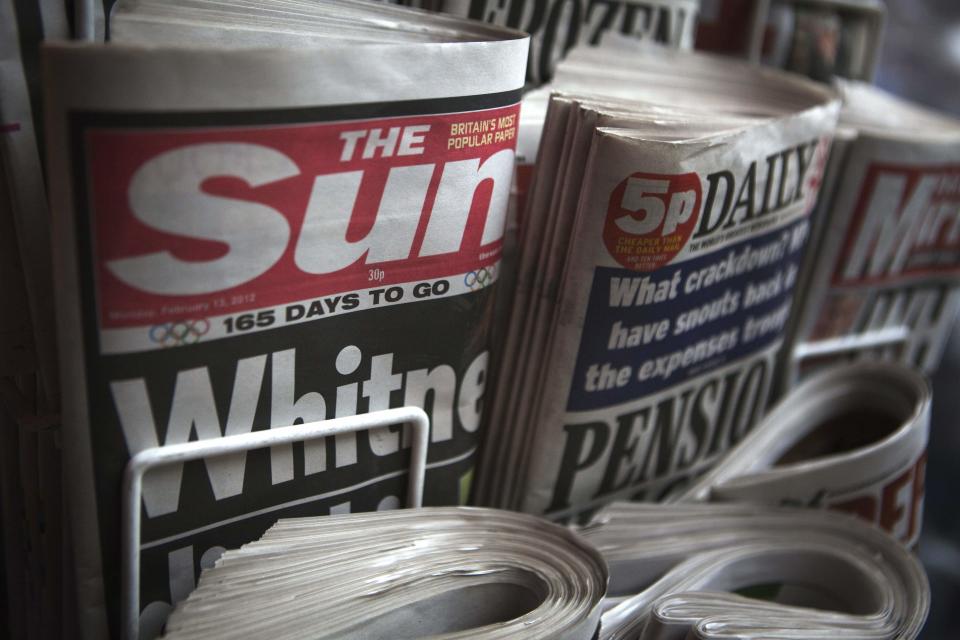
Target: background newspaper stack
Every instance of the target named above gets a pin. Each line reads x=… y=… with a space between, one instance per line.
x=660 y=246
x=886 y=279
x=817 y=38
x=824 y=38
x=264 y=216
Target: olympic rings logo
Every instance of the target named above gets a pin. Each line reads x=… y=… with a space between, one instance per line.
x=180 y=332
x=480 y=278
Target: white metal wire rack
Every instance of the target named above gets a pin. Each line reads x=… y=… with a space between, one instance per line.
x=143 y=461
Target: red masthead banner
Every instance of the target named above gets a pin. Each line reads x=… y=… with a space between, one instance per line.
x=199 y=223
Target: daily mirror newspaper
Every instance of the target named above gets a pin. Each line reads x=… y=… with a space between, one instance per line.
x=285 y=220
x=887 y=281
x=660 y=248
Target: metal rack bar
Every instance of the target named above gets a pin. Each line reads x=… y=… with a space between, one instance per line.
x=876 y=339
x=147 y=459
x=84 y=17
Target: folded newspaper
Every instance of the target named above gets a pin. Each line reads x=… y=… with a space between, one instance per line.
x=438 y=572
x=268 y=213
x=659 y=249
x=687 y=571
x=852 y=438
x=886 y=279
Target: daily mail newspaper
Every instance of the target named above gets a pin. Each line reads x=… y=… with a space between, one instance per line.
x=650 y=304
x=557 y=26
x=249 y=236
x=886 y=283
x=851 y=438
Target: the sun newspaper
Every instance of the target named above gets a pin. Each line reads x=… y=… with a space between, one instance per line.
x=288 y=222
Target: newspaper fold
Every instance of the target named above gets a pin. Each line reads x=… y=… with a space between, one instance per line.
x=268 y=213
x=438 y=572
x=851 y=438
x=676 y=570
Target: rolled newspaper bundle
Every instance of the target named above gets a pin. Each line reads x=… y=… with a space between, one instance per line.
x=675 y=571
x=439 y=572
x=852 y=438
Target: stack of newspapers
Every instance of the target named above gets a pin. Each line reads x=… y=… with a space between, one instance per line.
x=638 y=282
x=659 y=250
x=824 y=38
x=481 y=573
